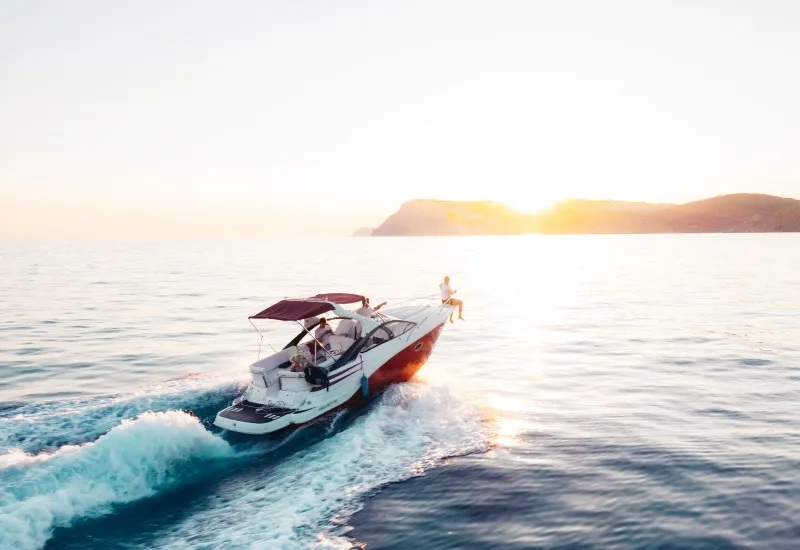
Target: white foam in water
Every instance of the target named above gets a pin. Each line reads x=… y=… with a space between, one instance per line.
x=36 y=427
x=18 y=457
x=299 y=502
x=132 y=461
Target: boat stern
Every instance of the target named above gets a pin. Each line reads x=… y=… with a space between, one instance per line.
x=253 y=418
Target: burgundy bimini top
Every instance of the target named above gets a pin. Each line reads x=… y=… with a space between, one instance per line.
x=295 y=309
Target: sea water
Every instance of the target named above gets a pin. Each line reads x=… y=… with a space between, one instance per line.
x=602 y=392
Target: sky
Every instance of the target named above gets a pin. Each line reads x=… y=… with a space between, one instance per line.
x=263 y=118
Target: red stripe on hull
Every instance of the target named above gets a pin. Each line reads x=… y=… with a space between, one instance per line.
x=403 y=366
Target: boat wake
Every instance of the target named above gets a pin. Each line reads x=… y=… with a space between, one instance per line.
x=68 y=462
x=305 y=500
x=46 y=427
x=134 y=460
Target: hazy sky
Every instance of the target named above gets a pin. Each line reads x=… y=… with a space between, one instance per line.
x=226 y=118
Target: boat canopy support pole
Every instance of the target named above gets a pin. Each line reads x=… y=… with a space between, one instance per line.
x=261 y=340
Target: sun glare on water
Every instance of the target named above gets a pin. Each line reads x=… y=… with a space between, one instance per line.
x=519 y=306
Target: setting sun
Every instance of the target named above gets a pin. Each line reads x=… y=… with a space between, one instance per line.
x=525 y=148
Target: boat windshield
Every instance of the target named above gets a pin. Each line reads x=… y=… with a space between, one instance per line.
x=386 y=332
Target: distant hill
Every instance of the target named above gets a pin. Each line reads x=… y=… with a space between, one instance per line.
x=741 y=213
x=435 y=217
x=738 y=213
x=363 y=232
x=585 y=216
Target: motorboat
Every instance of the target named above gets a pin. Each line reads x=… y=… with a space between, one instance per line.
x=360 y=356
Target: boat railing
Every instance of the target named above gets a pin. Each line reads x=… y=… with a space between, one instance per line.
x=431 y=301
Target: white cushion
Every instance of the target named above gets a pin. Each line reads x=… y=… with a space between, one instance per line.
x=348 y=327
x=339 y=344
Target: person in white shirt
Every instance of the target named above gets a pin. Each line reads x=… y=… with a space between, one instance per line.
x=323 y=332
x=447 y=298
x=366 y=310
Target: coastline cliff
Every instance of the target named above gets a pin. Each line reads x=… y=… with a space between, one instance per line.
x=737 y=213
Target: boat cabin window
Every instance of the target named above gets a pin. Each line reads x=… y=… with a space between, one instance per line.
x=399 y=327
x=386 y=332
x=379 y=336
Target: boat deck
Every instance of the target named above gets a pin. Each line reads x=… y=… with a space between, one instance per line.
x=254 y=413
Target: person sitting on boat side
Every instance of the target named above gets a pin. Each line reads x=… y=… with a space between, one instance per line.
x=323 y=332
x=366 y=310
x=447 y=297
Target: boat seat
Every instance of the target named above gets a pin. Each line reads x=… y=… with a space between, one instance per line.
x=339 y=344
x=293 y=381
x=263 y=369
x=350 y=328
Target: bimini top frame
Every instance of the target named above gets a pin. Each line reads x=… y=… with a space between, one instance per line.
x=295 y=309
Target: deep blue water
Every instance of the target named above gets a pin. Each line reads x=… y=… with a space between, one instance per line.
x=604 y=392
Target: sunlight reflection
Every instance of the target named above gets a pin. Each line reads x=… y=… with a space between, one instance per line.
x=556 y=266
x=507 y=431
x=525 y=290
x=505 y=414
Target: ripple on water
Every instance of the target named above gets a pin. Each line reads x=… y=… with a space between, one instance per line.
x=754 y=362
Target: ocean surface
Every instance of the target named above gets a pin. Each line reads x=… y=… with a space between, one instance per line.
x=608 y=392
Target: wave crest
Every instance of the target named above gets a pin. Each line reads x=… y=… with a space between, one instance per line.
x=133 y=460
x=50 y=426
